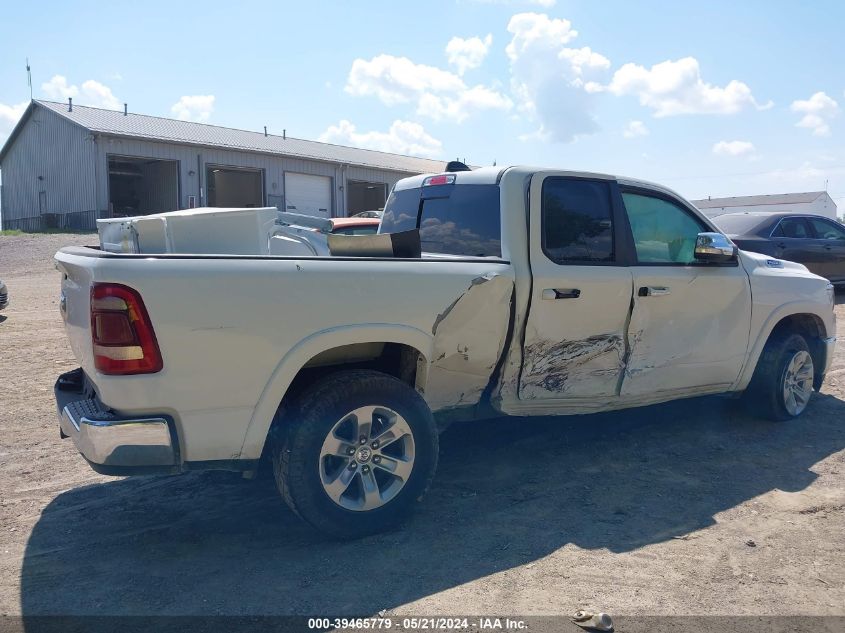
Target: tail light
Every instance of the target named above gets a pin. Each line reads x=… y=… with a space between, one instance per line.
x=121 y=332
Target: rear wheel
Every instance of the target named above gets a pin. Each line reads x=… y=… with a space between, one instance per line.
x=358 y=450
x=782 y=384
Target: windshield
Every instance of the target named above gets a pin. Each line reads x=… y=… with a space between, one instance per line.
x=738 y=223
x=453 y=219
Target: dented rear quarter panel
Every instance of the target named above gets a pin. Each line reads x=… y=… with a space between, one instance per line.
x=234 y=332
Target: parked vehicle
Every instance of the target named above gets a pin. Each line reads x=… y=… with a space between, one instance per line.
x=306 y=235
x=4 y=295
x=539 y=292
x=812 y=240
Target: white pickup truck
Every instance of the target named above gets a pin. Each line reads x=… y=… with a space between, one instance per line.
x=538 y=292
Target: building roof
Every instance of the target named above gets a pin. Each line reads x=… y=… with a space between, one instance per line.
x=141 y=126
x=753 y=201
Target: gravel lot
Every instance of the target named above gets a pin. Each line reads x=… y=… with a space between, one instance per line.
x=685 y=508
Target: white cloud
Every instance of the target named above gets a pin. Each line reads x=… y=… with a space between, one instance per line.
x=92 y=93
x=551 y=81
x=9 y=116
x=675 y=87
x=458 y=109
x=398 y=80
x=817 y=110
x=57 y=88
x=96 y=94
x=194 y=108
x=403 y=137
x=466 y=54
x=635 y=129
x=438 y=93
x=733 y=148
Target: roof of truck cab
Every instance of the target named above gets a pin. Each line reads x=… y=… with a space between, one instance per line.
x=493 y=175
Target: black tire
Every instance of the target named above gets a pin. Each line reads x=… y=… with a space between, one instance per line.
x=296 y=451
x=764 y=396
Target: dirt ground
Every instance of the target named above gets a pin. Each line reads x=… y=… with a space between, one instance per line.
x=685 y=508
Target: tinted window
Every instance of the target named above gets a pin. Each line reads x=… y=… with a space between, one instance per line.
x=826 y=230
x=462 y=220
x=664 y=233
x=577 y=221
x=792 y=227
x=400 y=211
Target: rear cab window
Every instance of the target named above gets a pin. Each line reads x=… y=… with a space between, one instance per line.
x=453 y=219
x=577 y=221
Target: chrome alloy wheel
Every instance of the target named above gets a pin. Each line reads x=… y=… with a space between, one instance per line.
x=367 y=458
x=798 y=383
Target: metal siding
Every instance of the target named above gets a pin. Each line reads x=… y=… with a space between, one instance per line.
x=274 y=167
x=63 y=154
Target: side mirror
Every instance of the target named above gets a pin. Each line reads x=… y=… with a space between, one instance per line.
x=715 y=248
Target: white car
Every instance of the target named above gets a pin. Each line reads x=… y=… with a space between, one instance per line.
x=538 y=292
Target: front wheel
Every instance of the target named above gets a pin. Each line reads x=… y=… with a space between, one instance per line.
x=782 y=384
x=357 y=451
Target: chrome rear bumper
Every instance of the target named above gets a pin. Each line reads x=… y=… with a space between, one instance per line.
x=112 y=444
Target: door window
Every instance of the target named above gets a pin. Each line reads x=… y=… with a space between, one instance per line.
x=826 y=230
x=577 y=221
x=664 y=233
x=795 y=228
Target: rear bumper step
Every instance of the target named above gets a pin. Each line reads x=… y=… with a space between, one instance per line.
x=114 y=444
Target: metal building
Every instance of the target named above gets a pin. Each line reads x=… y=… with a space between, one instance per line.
x=66 y=165
x=816 y=202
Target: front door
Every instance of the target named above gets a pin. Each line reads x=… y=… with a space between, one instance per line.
x=574 y=344
x=690 y=321
x=794 y=241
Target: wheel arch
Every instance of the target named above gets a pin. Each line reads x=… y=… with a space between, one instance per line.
x=329 y=350
x=804 y=319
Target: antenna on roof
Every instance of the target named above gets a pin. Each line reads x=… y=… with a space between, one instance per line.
x=284 y=135
x=265 y=130
x=70 y=104
x=29 y=78
x=125 y=109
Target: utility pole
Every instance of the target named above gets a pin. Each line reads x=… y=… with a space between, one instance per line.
x=29 y=78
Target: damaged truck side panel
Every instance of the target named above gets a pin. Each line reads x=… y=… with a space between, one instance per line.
x=469 y=339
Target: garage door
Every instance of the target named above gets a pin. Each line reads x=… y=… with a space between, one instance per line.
x=311 y=195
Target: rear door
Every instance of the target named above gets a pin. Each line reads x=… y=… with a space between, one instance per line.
x=830 y=238
x=574 y=345
x=690 y=321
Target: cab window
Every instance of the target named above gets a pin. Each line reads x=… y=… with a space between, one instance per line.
x=795 y=228
x=577 y=221
x=664 y=232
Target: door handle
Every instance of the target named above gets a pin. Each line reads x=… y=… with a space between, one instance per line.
x=653 y=291
x=561 y=293
x=828 y=247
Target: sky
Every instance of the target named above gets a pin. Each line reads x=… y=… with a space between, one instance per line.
x=714 y=98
